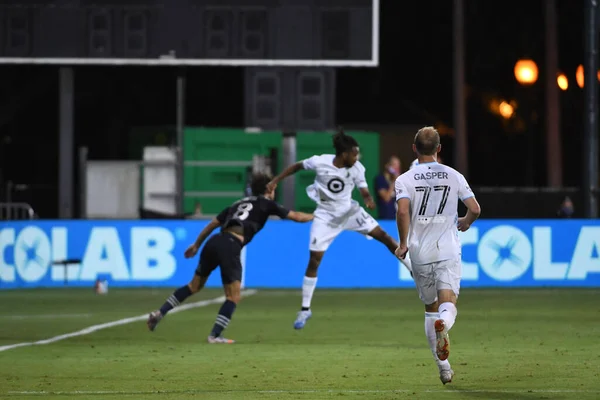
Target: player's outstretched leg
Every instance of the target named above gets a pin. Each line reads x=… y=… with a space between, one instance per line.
x=447 y=316
x=308 y=289
x=174 y=300
x=382 y=236
x=446 y=372
x=232 y=295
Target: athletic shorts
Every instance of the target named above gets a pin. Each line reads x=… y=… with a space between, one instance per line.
x=325 y=229
x=429 y=278
x=222 y=249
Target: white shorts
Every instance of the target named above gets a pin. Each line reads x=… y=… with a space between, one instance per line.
x=429 y=278
x=323 y=231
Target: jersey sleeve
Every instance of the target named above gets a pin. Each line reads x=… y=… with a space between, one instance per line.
x=223 y=215
x=401 y=190
x=359 y=178
x=464 y=191
x=278 y=210
x=310 y=163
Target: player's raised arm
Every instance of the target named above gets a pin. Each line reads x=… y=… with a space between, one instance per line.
x=283 y=213
x=308 y=164
x=291 y=170
x=299 y=216
x=208 y=229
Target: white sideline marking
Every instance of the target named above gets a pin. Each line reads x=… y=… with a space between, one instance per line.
x=333 y=391
x=94 y=328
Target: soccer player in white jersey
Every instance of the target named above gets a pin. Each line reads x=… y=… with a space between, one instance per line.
x=336 y=176
x=416 y=162
x=428 y=226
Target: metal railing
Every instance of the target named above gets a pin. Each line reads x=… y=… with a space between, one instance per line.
x=16 y=211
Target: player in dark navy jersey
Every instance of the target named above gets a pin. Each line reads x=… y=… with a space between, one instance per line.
x=247 y=216
x=239 y=223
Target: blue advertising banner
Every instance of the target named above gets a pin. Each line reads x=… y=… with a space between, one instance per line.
x=496 y=253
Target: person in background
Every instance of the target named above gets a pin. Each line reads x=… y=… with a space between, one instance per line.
x=197 y=214
x=384 y=187
x=566 y=209
x=198 y=210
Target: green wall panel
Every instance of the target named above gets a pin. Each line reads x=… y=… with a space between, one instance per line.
x=222 y=145
x=227 y=182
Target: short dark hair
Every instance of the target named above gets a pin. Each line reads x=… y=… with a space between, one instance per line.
x=342 y=142
x=427 y=141
x=259 y=184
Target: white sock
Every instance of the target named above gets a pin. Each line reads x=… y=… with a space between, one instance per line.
x=430 y=333
x=308 y=289
x=448 y=313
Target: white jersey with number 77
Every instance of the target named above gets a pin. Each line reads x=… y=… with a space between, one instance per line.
x=433 y=190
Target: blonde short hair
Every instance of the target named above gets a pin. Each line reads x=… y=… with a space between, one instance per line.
x=427 y=141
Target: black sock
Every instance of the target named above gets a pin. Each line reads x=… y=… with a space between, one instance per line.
x=223 y=318
x=175 y=299
x=305 y=308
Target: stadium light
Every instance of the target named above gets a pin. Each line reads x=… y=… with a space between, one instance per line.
x=526 y=72
x=563 y=81
x=579 y=76
x=506 y=110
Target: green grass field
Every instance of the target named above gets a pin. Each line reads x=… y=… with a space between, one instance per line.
x=506 y=344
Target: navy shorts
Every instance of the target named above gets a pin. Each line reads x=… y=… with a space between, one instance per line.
x=222 y=249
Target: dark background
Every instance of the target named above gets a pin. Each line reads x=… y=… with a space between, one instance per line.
x=412 y=85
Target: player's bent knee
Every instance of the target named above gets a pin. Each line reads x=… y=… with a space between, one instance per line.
x=446 y=296
x=314 y=261
x=377 y=232
x=234 y=298
x=233 y=291
x=197 y=283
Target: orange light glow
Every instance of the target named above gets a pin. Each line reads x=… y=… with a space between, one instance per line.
x=579 y=76
x=526 y=72
x=563 y=81
x=506 y=110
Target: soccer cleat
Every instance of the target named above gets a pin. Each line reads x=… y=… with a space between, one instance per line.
x=446 y=375
x=443 y=340
x=153 y=320
x=219 y=340
x=301 y=319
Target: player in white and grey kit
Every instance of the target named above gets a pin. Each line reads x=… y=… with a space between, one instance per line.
x=336 y=176
x=416 y=162
x=428 y=226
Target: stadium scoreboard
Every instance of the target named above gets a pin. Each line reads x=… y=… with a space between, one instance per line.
x=328 y=33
